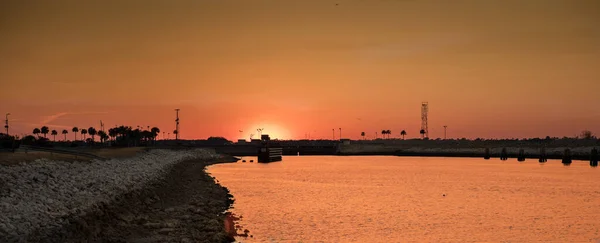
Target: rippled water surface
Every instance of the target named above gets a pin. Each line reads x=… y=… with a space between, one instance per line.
x=401 y=199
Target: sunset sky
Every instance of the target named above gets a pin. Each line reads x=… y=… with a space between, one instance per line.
x=493 y=69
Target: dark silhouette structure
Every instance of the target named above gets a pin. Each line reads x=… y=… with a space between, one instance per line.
x=64 y=132
x=45 y=130
x=567 y=157
x=6 y=125
x=176 y=124
x=487 y=153
x=594 y=157
x=75 y=130
x=503 y=154
x=521 y=156
x=445 y=128
x=54 y=133
x=386 y=132
x=268 y=151
x=543 y=157
x=424 y=126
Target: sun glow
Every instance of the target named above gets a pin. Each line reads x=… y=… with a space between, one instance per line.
x=274 y=131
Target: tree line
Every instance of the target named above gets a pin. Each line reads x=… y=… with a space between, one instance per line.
x=388 y=133
x=118 y=136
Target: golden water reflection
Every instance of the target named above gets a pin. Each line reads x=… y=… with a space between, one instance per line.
x=404 y=199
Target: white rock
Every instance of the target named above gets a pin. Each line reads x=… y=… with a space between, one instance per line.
x=66 y=188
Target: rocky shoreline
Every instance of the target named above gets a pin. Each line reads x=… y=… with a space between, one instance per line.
x=158 y=196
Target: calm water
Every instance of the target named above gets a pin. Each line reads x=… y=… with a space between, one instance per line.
x=400 y=199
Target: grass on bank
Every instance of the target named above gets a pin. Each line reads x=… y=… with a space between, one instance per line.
x=8 y=158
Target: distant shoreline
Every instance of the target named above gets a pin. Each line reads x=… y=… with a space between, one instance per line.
x=462 y=155
x=582 y=153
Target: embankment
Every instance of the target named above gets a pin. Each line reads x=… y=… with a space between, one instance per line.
x=157 y=196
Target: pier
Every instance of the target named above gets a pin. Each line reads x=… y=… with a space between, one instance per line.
x=269 y=151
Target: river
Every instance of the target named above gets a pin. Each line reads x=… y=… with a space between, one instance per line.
x=408 y=199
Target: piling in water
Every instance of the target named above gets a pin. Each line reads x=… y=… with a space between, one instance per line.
x=503 y=154
x=594 y=157
x=567 y=157
x=543 y=157
x=487 y=153
x=521 y=156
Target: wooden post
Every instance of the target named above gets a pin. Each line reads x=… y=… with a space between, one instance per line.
x=594 y=157
x=487 y=153
x=567 y=157
x=521 y=156
x=543 y=157
x=503 y=154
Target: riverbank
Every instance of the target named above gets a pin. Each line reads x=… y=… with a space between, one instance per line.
x=156 y=196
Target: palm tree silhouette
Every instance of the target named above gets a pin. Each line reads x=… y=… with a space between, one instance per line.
x=388 y=132
x=36 y=131
x=92 y=131
x=45 y=130
x=75 y=130
x=65 y=133
x=102 y=135
x=422 y=132
x=83 y=133
x=363 y=135
x=155 y=131
x=54 y=133
x=383 y=133
x=403 y=133
x=112 y=132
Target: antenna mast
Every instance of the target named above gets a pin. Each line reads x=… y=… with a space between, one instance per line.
x=6 y=126
x=424 y=110
x=177 y=124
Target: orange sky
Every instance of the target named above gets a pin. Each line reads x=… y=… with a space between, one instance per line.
x=499 y=69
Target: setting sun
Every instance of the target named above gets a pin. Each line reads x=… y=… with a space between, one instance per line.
x=274 y=131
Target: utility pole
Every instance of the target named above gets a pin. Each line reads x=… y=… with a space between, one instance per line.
x=424 y=126
x=333 y=131
x=6 y=126
x=177 y=124
x=445 y=127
